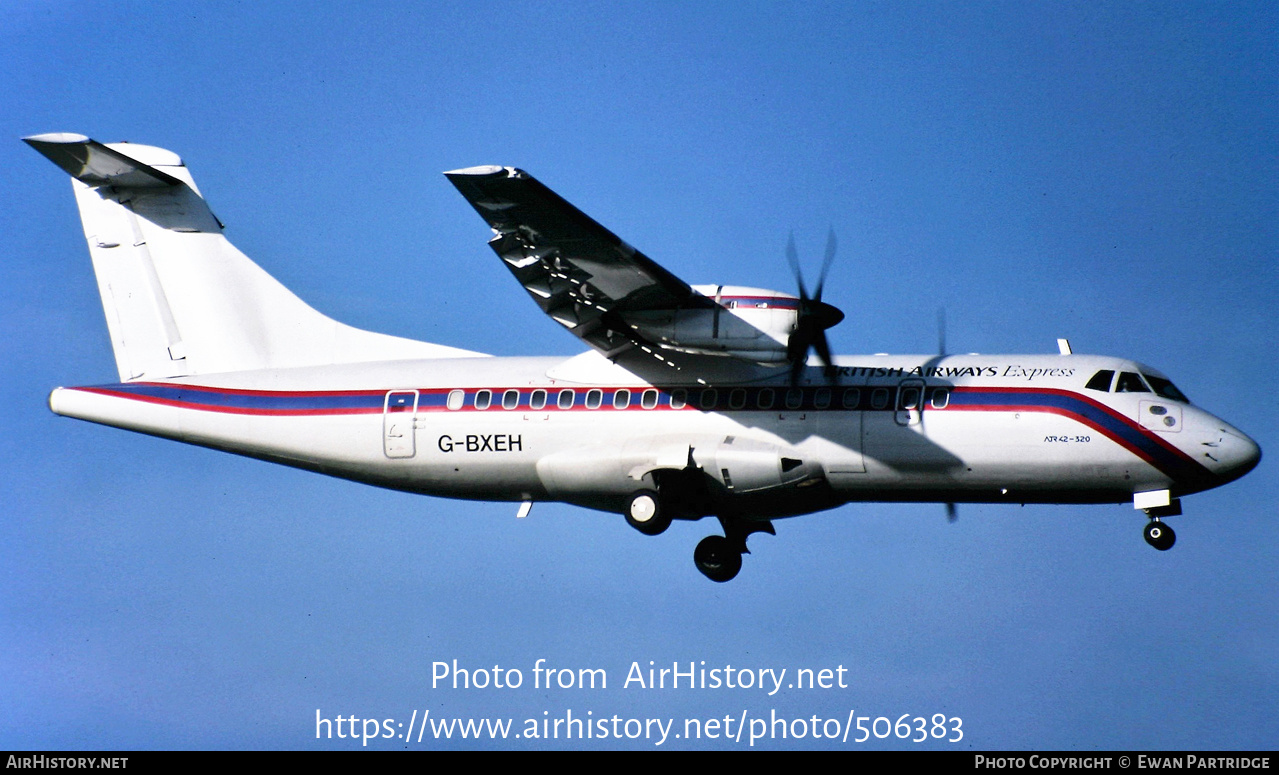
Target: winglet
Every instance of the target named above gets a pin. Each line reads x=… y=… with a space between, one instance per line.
x=96 y=164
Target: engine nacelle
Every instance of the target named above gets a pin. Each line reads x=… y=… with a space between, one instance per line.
x=745 y=466
x=751 y=323
x=725 y=466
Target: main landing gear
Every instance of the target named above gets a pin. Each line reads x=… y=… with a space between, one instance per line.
x=719 y=558
x=646 y=513
x=1159 y=535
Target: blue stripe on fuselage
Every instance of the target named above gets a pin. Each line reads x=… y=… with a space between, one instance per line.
x=1141 y=442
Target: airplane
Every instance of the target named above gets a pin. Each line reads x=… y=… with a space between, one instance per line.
x=692 y=401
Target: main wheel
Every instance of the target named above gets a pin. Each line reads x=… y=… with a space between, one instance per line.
x=1160 y=536
x=644 y=512
x=716 y=559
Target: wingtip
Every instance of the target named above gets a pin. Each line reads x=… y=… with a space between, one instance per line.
x=485 y=169
x=61 y=138
x=488 y=170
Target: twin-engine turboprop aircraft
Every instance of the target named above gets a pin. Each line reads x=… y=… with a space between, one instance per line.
x=694 y=401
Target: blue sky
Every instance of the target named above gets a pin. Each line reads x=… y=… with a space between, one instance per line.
x=1106 y=173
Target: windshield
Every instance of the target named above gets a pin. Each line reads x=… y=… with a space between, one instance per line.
x=1166 y=389
x=1129 y=382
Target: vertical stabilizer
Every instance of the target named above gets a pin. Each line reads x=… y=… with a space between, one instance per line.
x=179 y=298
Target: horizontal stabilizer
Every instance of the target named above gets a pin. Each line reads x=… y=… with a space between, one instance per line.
x=96 y=164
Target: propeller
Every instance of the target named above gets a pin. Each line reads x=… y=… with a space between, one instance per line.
x=941 y=330
x=952 y=510
x=815 y=315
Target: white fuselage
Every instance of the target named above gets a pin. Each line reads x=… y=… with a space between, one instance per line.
x=970 y=428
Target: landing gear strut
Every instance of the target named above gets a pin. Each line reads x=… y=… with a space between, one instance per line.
x=1159 y=535
x=719 y=558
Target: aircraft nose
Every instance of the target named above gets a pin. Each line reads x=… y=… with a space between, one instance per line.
x=1236 y=453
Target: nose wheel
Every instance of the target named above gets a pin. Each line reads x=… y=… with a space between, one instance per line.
x=1159 y=535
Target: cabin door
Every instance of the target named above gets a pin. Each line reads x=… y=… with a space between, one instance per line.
x=399 y=418
x=910 y=401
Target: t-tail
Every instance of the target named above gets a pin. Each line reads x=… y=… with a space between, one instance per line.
x=180 y=300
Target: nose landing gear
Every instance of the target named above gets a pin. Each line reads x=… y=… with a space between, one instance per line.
x=1159 y=535
x=1158 y=504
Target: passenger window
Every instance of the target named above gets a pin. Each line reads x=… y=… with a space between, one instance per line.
x=737 y=399
x=456 y=399
x=909 y=398
x=594 y=398
x=565 y=399
x=679 y=399
x=621 y=399
x=1129 y=382
x=941 y=397
x=852 y=397
x=404 y=401
x=708 y=398
x=821 y=399
x=879 y=398
x=649 y=399
x=537 y=400
x=510 y=399
x=483 y=399
x=1101 y=380
x=794 y=398
x=765 y=398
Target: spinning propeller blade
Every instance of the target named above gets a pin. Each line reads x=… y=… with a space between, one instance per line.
x=814 y=316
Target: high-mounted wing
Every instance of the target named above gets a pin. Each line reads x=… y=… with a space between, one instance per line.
x=578 y=272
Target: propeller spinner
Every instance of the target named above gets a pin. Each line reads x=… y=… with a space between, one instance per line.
x=815 y=315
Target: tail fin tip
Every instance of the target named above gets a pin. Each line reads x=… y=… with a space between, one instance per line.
x=92 y=162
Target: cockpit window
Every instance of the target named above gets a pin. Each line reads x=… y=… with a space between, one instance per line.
x=1166 y=389
x=1101 y=380
x=1130 y=382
